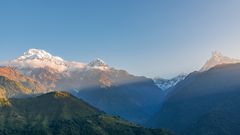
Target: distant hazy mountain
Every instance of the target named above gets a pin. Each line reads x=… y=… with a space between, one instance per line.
x=218 y=59
x=111 y=90
x=165 y=84
x=59 y=113
x=205 y=103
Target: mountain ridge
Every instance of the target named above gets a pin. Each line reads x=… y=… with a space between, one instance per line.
x=61 y=113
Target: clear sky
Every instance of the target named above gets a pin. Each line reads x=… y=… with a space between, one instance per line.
x=146 y=37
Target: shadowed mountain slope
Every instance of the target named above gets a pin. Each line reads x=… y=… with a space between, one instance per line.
x=205 y=103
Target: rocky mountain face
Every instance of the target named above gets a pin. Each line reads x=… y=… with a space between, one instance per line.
x=60 y=113
x=15 y=84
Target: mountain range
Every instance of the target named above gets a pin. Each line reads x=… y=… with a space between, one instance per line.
x=45 y=94
x=206 y=102
x=114 y=91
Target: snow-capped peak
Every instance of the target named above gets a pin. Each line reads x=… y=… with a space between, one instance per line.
x=218 y=59
x=97 y=63
x=36 y=58
x=165 y=84
x=216 y=54
x=32 y=54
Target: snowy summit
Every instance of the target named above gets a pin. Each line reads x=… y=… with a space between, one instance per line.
x=97 y=63
x=218 y=59
x=33 y=54
x=165 y=84
x=36 y=58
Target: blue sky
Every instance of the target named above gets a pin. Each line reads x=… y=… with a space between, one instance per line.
x=145 y=37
